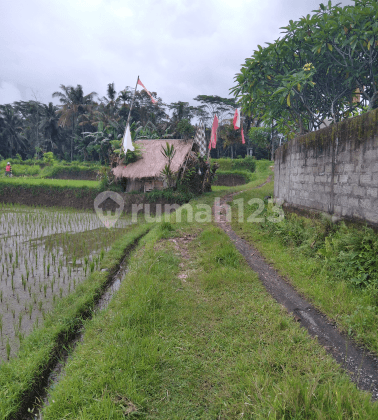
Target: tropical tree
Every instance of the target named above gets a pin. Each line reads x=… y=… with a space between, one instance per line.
x=74 y=103
x=11 y=131
x=49 y=126
x=305 y=77
x=348 y=37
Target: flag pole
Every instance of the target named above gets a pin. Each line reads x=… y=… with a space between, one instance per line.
x=132 y=102
x=128 y=118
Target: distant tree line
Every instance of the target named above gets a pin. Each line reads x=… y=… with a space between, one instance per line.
x=82 y=126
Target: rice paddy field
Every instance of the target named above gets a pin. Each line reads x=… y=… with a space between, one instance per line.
x=44 y=255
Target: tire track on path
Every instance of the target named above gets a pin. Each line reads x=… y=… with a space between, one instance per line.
x=361 y=365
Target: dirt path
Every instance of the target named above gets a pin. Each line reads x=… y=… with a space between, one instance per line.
x=361 y=366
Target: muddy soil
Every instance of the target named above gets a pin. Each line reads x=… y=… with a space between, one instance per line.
x=44 y=255
x=361 y=365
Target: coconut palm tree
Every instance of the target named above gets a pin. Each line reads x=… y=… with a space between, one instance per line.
x=49 y=125
x=11 y=132
x=74 y=103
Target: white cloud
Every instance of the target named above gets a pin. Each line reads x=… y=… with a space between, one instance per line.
x=9 y=93
x=179 y=48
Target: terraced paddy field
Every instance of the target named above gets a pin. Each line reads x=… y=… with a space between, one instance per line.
x=44 y=255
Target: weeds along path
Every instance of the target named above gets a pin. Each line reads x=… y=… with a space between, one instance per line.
x=361 y=365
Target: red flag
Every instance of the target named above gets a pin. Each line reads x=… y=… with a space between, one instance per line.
x=213 y=138
x=236 y=119
x=149 y=94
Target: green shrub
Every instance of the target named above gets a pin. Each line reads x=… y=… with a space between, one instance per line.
x=48 y=158
x=349 y=253
x=248 y=176
x=177 y=197
x=22 y=170
x=248 y=163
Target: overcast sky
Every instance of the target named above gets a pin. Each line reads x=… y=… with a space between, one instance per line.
x=180 y=49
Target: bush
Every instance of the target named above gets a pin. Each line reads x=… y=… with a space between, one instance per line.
x=177 y=197
x=48 y=158
x=248 y=163
x=349 y=253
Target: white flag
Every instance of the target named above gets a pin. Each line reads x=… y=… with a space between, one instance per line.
x=127 y=142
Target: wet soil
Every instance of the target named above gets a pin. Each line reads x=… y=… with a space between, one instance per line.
x=58 y=372
x=360 y=364
x=44 y=255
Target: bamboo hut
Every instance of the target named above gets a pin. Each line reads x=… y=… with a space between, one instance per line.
x=145 y=174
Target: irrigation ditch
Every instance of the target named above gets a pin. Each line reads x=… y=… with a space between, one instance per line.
x=57 y=371
x=26 y=403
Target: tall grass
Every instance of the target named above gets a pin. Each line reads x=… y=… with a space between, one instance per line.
x=333 y=265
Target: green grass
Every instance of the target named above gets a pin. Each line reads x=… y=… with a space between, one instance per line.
x=227 y=164
x=192 y=334
x=325 y=262
x=40 y=169
x=25 y=182
x=19 y=375
x=248 y=176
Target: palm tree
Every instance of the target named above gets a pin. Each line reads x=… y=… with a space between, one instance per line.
x=74 y=103
x=50 y=124
x=11 y=129
x=30 y=113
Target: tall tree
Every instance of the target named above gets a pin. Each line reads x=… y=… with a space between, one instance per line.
x=11 y=131
x=348 y=36
x=49 y=125
x=74 y=103
x=300 y=80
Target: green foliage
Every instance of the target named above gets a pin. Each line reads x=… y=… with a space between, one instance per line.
x=312 y=72
x=247 y=175
x=352 y=254
x=248 y=163
x=24 y=170
x=348 y=253
x=185 y=129
x=48 y=183
x=169 y=153
x=259 y=136
x=48 y=158
x=179 y=196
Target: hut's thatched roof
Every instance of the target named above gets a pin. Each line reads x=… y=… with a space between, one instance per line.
x=153 y=162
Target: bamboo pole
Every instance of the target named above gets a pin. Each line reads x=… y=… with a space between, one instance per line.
x=128 y=118
x=132 y=102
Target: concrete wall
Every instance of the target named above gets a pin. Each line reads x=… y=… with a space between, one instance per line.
x=333 y=170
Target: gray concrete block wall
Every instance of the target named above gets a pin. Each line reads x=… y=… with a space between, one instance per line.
x=339 y=177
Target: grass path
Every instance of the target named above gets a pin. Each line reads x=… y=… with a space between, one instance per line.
x=192 y=334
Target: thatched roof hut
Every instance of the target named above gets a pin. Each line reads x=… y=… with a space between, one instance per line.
x=145 y=173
